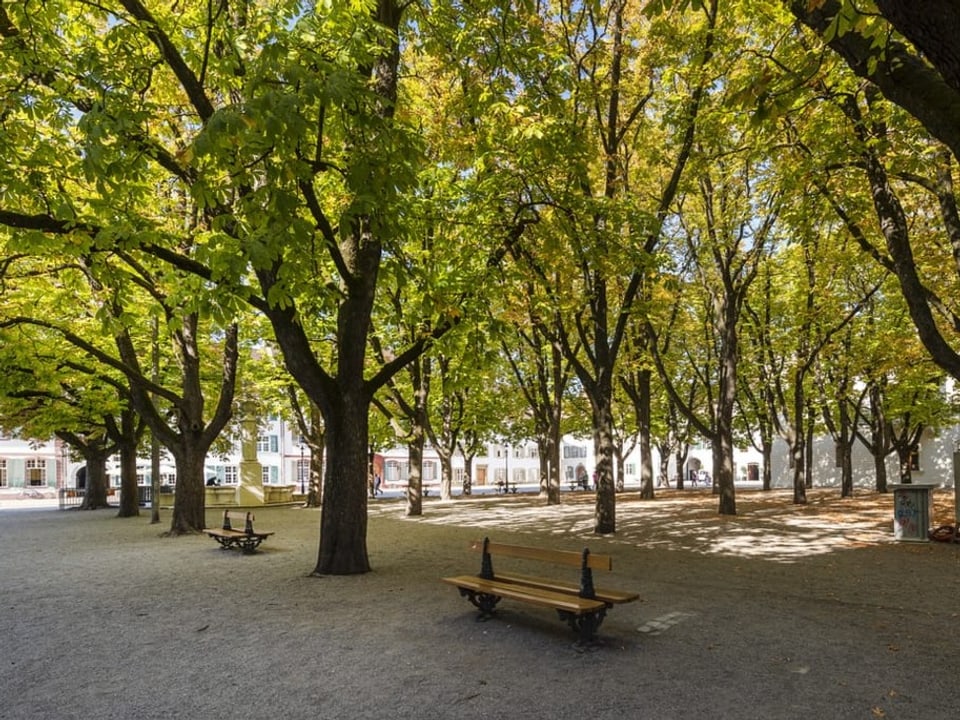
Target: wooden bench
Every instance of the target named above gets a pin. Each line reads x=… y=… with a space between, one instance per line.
x=581 y=605
x=247 y=539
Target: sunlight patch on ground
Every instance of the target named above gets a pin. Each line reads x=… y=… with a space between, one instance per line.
x=767 y=527
x=659 y=625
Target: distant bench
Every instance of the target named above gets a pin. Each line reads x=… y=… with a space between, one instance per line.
x=582 y=606
x=247 y=539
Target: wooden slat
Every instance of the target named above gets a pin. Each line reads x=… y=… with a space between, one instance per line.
x=534 y=596
x=235 y=533
x=561 y=557
x=613 y=597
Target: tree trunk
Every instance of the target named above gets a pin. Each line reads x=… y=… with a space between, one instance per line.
x=343 y=520
x=154 y=478
x=467 y=473
x=128 y=442
x=543 y=469
x=663 y=476
x=606 y=507
x=129 y=493
x=619 y=467
x=553 y=457
x=315 y=489
x=796 y=441
x=643 y=425
x=415 y=478
x=903 y=458
x=420 y=372
x=189 y=502
x=845 y=447
x=193 y=436
x=95 y=496
x=880 y=468
x=767 y=463
x=680 y=458
x=723 y=473
x=446 y=476
x=797 y=455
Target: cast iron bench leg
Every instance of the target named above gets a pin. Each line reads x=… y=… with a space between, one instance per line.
x=484 y=602
x=585 y=625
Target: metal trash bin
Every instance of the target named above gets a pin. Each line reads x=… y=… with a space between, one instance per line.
x=912 y=512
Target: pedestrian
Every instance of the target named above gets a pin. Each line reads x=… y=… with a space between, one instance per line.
x=376 y=485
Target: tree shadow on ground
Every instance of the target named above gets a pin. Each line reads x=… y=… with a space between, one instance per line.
x=768 y=525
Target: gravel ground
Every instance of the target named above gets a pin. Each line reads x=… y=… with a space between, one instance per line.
x=779 y=612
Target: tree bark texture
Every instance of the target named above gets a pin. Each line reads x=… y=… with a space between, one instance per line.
x=606 y=506
x=343 y=519
x=128 y=443
x=95 y=496
x=189 y=500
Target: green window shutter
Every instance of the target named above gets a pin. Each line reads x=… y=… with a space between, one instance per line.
x=274 y=473
x=274 y=444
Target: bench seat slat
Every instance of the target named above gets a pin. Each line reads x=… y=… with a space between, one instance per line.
x=608 y=596
x=535 y=596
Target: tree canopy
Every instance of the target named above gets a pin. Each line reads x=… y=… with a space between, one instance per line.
x=402 y=193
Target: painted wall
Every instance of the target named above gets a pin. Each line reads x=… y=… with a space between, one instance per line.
x=935 y=466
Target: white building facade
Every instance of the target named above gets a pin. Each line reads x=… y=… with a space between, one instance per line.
x=285 y=462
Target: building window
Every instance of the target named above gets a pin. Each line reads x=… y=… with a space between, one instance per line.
x=395 y=472
x=429 y=471
x=915 y=459
x=574 y=451
x=303 y=470
x=270 y=474
x=229 y=475
x=36 y=472
x=3 y=472
x=267 y=443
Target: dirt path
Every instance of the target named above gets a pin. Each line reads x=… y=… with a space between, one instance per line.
x=780 y=612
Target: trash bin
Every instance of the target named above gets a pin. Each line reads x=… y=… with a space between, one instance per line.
x=912 y=511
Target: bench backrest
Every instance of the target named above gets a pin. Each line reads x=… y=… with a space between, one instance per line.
x=561 y=557
x=585 y=560
x=248 y=521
